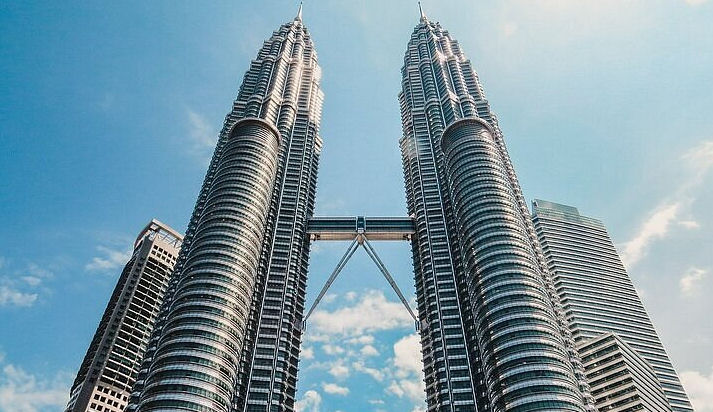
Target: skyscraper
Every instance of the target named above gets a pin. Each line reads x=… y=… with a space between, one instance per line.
x=114 y=356
x=596 y=291
x=228 y=338
x=494 y=336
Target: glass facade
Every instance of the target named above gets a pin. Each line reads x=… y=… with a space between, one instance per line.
x=113 y=360
x=228 y=337
x=597 y=293
x=483 y=312
x=620 y=379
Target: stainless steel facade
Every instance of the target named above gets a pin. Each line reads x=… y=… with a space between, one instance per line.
x=112 y=362
x=228 y=339
x=597 y=293
x=485 y=312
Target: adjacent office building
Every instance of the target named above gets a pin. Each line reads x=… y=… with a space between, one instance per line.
x=229 y=337
x=597 y=293
x=112 y=362
x=494 y=337
x=619 y=378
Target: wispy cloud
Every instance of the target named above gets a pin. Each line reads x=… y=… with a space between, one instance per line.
x=690 y=280
x=695 y=2
x=697 y=162
x=21 y=391
x=111 y=259
x=13 y=297
x=655 y=227
x=21 y=288
x=202 y=135
x=310 y=402
x=700 y=389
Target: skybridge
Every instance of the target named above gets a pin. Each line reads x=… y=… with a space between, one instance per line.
x=372 y=228
x=360 y=230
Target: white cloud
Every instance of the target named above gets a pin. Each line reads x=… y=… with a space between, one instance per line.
x=700 y=389
x=689 y=224
x=690 y=280
x=14 y=289
x=371 y=313
x=369 y=350
x=361 y=340
x=112 y=259
x=310 y=402
x=655 y=227
x=202 y=136
x=330 y=349
x=334 y=389
x=307 y=353
x=339 y=370
x=13 y=297
x=21 y=391
x=31 y=280
x=407 y=356
x=408 y=374
x=698 y=162
x=329 y=298
x=377 y=374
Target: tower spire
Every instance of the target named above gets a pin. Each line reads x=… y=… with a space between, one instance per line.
x=299 y=13
x=423 y=15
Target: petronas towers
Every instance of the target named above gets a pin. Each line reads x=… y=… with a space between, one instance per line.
x=495 y=334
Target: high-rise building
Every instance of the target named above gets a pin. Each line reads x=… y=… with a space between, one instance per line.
x=597 y=293
x=494 y=338
x=619 y=378
x=228 y=338
x=112 y=362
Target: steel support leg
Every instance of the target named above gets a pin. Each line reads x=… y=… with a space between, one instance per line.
x=347 y=255
x=375 y=257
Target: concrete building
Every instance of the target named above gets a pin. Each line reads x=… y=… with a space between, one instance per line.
x=112 y=362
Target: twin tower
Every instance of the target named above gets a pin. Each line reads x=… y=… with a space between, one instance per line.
x=493 y=332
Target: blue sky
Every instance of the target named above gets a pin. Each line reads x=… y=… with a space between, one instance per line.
x=109 y=112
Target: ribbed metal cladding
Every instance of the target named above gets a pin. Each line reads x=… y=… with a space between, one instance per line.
x=429 y=103
x=524 y=357
x=282 y=87
x=196 y=362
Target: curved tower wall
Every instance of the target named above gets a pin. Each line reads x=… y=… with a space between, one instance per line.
x=523 y=353
x=196 y=362
x=440 y=87
x=281 y=87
